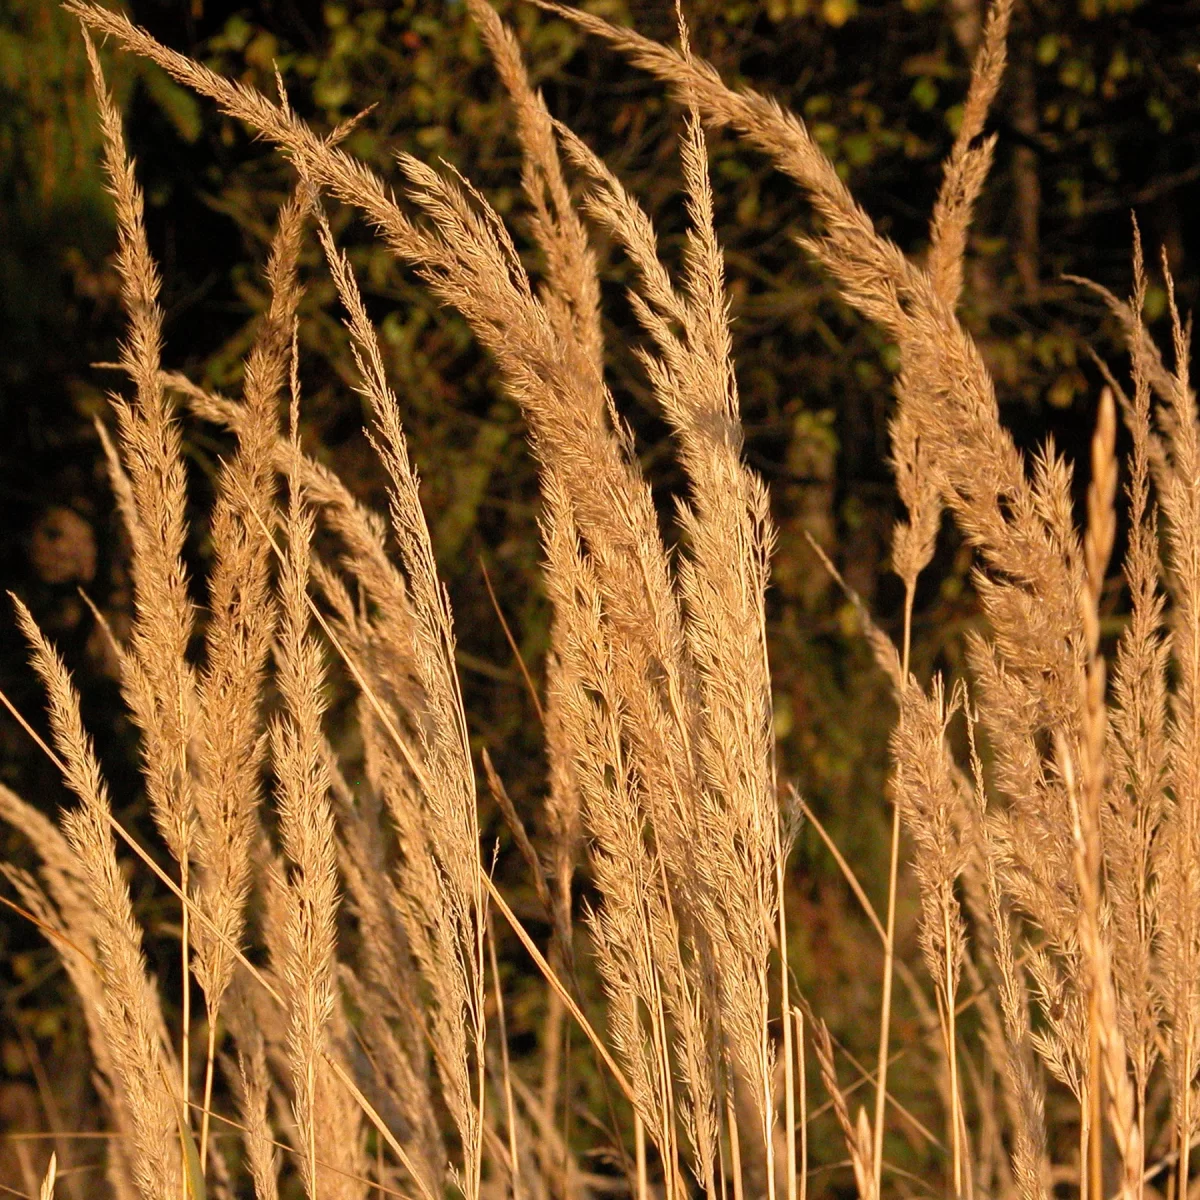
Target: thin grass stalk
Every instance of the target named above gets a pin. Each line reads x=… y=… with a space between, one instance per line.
x=639 y=1144
x=510 y=1110
x=735 y=1150
x=885 y=1015
x=798 y=1014
x=952 y=1056
x=785 y=1008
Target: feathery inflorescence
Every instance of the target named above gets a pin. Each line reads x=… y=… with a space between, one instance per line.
x=1057 y=859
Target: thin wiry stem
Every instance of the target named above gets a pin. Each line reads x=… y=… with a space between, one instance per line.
x=885 y=1016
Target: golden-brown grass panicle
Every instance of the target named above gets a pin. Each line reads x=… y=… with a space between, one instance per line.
x=715 y=713
x=1109 y=1067
x=385 y=988
x=237 y=641
x=857 y=1135
x=308 y=967
x=925 y=785
x=571 y=296
x=118 y=479
x=251 y=1083
x=63 y=905
x=1138 y=745
x=572 y=289
x=130 y=1019
x=1024 y=1090
x=914 y=537
x=970 y=159
x=997 y=508
x=361 y=532
x=1176 y=866
x=159 y=683
x=631 y=930
x=721 y=581
x=435 y=811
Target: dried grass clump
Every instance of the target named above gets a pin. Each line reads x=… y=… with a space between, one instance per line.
x=1058 y=861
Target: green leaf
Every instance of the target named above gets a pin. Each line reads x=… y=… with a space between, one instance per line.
x=1047 y=49
x=178 y=106
x=195 y=1172
x=925 y=93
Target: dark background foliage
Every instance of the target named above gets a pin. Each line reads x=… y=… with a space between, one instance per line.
x=1099 y=116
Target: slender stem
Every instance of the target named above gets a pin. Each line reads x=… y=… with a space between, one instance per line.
x=952 y=1051
x=885 y=1016
x=553 y=980
x=185 y=1048
x=722 y=1164
x=799 y=1015
x=508 y=1092
x=910 y=589
x=1085 y=1126
x=658 y=1019
x=735 y=1150
x=658 y=1022
x=552 y=1030
x=379 y=1166
x=768 y=1109
x=1096 y=1190
x=312 y=1125
x=1181 y=1189
x=639 y=1141
x=789 y=1074
x=480 y=1035
x=889 y=941
x=208 y=1083
x=1141 y=1124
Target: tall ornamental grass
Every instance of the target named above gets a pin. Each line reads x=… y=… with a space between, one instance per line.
x=341 y=1030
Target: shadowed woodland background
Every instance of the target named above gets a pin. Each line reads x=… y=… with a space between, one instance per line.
x=1100 y=116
